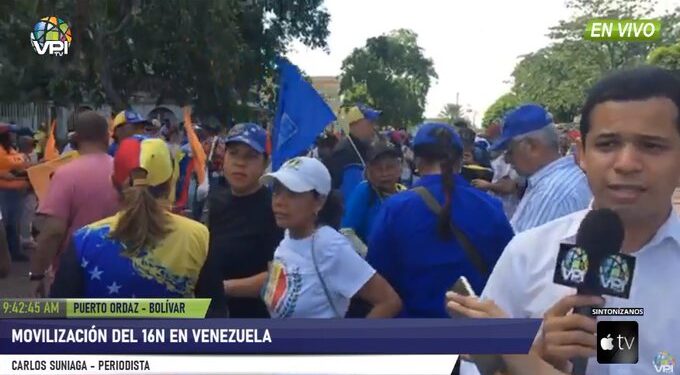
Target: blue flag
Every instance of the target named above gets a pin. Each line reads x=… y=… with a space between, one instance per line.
x=301 y=115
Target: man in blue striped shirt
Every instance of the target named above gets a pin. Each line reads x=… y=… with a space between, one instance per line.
x=556 y=186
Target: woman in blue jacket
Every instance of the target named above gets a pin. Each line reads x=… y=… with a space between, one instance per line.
x=424 y=239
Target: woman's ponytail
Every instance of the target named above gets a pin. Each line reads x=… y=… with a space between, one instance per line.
x=444 y=219
x=447 y=156
x=144 y=221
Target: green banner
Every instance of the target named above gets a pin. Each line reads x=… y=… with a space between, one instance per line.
x=147 y=308
x=624 y=30
x=32 y=308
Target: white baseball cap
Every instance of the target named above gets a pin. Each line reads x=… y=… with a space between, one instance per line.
x=300 y=175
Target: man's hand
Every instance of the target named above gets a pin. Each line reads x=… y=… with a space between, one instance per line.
x=567 y=335
x=482 y=184
x=473 y=307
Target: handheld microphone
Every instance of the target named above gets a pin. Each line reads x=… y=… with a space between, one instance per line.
x=594 y=265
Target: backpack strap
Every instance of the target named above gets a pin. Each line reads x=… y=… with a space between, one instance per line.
x=470 y=249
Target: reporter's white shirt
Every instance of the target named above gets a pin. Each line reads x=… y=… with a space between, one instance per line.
x=522 y=285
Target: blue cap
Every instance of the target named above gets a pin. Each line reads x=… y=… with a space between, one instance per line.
x=522 y=120
x=362 y=111
x=25 y=132
x=368 y=112
x=249 y=133
x=128 y=117
x=427 y=134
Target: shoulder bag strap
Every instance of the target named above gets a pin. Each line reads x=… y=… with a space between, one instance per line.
x=471 y=250
x=323 y=283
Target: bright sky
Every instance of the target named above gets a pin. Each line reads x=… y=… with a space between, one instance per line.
x=474 y=44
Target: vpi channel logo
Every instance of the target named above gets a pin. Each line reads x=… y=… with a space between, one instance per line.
x=664 y=363
x=574 y=265
x=617 y=342
x=51 y=35
x=614 y=273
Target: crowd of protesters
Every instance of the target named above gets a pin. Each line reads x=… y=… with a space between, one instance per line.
x=368 y=224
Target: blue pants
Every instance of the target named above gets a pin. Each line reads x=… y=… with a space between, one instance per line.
x=12 y=204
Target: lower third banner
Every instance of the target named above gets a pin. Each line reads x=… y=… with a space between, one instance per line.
x=294 y=336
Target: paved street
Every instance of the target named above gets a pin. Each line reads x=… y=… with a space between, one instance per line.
x=16 y=285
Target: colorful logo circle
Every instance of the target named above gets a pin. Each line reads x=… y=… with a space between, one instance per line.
x=614 y=273
x=664 y=359
x=575 y=265
x=50 y=29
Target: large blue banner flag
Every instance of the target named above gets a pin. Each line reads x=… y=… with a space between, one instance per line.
x=301 y=115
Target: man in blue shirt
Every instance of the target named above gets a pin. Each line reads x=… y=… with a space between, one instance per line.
x=383 y=172
x=556 y=185
x=421 y=253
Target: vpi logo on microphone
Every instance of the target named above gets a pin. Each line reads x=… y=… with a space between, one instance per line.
x=664 y=363
x=617 y=342
x=574 y=265
x=51 y=35
x=614 y=273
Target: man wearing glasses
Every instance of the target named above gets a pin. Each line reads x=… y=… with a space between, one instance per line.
x=556 y=186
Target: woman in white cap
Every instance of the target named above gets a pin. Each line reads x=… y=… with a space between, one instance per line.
x=315 y=271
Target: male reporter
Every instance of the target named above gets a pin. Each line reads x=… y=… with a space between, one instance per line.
x=630 y=150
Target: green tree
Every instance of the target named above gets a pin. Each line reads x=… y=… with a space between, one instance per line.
x=497 y=110
x=667 y=57
x=358 y=93
x=559 y=75
x=616 y=54
x=395 y=73
x=451 y=112
x=215 y=54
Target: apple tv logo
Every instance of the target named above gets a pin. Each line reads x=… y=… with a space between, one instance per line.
x=617 y=342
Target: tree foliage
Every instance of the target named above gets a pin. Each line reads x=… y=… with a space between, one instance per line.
x=451 y=112
x=215 y=54
x=559 y=75
x=667 y=57
x=357 y=93
x=499 y=108
x=392 y=72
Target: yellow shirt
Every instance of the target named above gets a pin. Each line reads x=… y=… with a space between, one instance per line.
x=175 y=263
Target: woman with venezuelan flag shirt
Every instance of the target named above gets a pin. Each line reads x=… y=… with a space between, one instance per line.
x=144 y=250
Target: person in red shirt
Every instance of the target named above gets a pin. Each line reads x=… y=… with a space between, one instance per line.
x=80 y=193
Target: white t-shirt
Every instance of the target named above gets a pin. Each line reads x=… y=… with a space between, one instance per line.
x=522 y=285
x=293 y=289
x=501 y=170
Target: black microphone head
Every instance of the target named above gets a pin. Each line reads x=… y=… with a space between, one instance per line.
x=601 y=233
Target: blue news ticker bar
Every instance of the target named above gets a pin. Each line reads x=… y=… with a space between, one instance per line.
x=294 y=336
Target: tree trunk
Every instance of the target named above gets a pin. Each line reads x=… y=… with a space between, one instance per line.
x=118 y=103
x=115 y=99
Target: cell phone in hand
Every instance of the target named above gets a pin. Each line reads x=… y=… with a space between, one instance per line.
x=463 y=287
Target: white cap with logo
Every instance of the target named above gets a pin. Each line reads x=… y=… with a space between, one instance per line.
x=302 y=174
